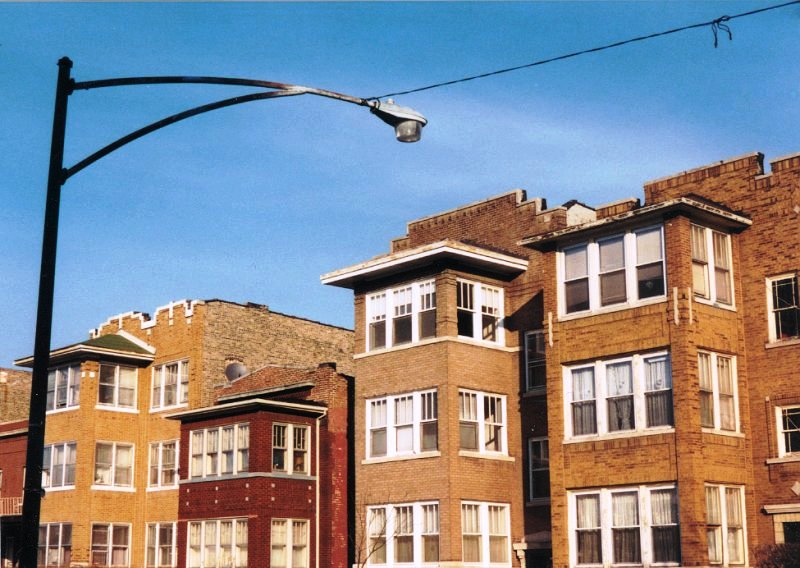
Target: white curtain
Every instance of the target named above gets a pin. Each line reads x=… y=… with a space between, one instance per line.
x=575 y=263
x=625 y=513
x=583 y=407
x=658 y=396
x=278 y=546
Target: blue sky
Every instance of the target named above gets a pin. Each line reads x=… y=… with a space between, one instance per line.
x=254 y=202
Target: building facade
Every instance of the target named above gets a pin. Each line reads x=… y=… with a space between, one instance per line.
x=587 y=386
x=111 y=464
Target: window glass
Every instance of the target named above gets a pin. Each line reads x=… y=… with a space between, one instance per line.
x=785 y=308
x=584 y=420
x=612 y=271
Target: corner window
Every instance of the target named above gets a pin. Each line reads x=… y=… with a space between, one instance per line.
x=163 y=464
x=63 y=387
x=410 y=311
x=618 y=270
x=111 y=545
x=633 y=394
x=485 y=534
x=218 y=543
x=402 y=534
x=160 y=548
x=58 y=466
x=113 y=464
x=631 y=525
x=170 y=385
x=719 y=408
x=55 y=544
x=711 y=265
x=535 y=367
x=117 y=386
x=725 y=524
x=289 y=543
x=788 y=423
x=402 y=425
x=539 y=468
x=783 y=306
x=222 y=450
x=290 y=448
x=482 y=422
x=479 y=311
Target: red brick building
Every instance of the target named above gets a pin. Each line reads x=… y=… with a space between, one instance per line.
x=267 y=472
x=13 y=440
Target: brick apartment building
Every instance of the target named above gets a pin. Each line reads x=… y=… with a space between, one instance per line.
x=111 y=465
x=604 y=386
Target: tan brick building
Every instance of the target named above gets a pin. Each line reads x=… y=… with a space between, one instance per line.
x=613 y=385
x=111 y=468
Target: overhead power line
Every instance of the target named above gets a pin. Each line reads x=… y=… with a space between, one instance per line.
x=716 y=25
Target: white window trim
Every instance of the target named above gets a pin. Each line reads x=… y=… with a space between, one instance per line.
x=483 y=512
x=601 y=396
x=715 y=386
x=532 y=336
x=115 y=406
x=60 y=546
x=173 y=562
x=289 y=449
x=235 y=521
x=782 y=453
x=71 y=380
x=482 y=451
x=289 y=545
x=391 y=432
x=158 y=486
x=606 y=522
x=110 y=545
x=205 y=474
x=390 y=532
x=159 y=373
x=49 y=479
x=113 y=486
x=593 y=273
x=477 y=313
x=723 y=510
x=531 y=443
x=771 y=332
x=388 y=313
x=710 y=279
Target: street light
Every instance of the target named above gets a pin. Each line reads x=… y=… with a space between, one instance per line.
x=408 y=127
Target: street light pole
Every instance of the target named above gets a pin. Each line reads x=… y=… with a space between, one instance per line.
x=408 y=126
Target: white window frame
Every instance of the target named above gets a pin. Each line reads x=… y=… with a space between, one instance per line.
x=160 y=448
x=239 y=452
x=543 y=445
x=113 y=485
x=638 y=364
x=391 y=531
x=53 y=480
x=158 y=386
x=771 y=308
x=645 y=517
x=159 y=547
x=115 y=404
x=631 y=265
x=417 y=400
x=484 y=529
x=290 y=545
x=781 y=432
x=54 y=539
x=711 y=297
x=487 y=300
x=238 y=556
x=716 y=393
x=722 y=526
x=66 y=378
x=481 y=421
x=380 y=307
x=110 y=546
x=289 y=448
x=535 y=344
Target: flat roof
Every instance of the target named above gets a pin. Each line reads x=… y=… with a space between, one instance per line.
x=403 y=261
x=244 y=405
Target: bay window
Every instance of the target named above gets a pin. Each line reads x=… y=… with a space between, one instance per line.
x=117 y=386
x=402 y=534
x=113 y=465
x=170 y=385
x=290 y=444
x=160 y=547
x=289 y=543
x=111 y=545
x=217 y=544
x=55 y=545
x=783 y=306
x=63 y=387
x=402 y=425
x=725 y=524
x=163 y=464
x=482 y=422
x=479 y=310
x=485 y=533
x=58 y=466
x=711 y=265
x=220 y=450
x=410 y=310
x=719 y=409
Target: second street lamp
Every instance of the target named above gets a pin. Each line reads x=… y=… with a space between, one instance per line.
x=408 y=126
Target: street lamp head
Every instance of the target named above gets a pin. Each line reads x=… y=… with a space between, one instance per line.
x=407 y=122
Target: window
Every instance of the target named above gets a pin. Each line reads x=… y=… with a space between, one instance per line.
x=170 y=385
x=718 y=391
x=160 y=550
x=725 y=524
x=485 y=533
x=402 y=425
x=411 y=311
x=479 y=311
x=632 y=394
x=618 y=270
x=212 y=458
x=711 y=265
x=117 y=386
x=55 y=545
x=113 y=464
x=63 y=387
x=289 y=543
x=482 y=419
x=404 y=533
x=218 y=544
x=788 y=420
x=111 y=545
x=631 y=525
x=783 y=304
x=535 y=367
x=58 y=466
x=290 y=448
x=539 y=468
x=163 y=464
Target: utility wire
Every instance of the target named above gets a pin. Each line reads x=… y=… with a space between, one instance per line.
x=716 y=25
